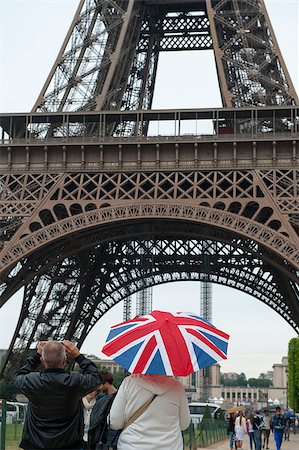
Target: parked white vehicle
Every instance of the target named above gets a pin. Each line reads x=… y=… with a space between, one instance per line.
x=197 y=411
x=15 y=412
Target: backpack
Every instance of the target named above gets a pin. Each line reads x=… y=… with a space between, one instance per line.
x=259 y=424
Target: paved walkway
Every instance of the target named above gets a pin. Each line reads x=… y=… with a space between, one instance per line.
x=292 y=444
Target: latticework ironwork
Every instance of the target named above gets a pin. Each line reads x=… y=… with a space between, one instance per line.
x=86 y=196
x=206 y=313
x=109 y=57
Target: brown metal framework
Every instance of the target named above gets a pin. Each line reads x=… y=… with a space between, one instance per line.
x=110 y=54
x=95 y=206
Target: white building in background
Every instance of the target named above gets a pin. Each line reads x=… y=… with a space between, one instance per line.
x=280 y=373
x=257 y=397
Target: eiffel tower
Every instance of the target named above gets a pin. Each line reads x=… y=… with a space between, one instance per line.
x=87 y=191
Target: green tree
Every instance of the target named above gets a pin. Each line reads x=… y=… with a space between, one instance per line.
x=118 y=378
x=293 y=373
x=7 y=390
x=259 y=382
x=241 y=380
x=207 y=414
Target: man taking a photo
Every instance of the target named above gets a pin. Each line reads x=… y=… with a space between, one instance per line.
x=54 y=418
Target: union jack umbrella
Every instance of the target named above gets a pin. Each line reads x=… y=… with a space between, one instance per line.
x=166 y=343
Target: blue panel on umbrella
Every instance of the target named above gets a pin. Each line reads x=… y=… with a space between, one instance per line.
x=126 y=358
x=200 y=318
x=116 y=331
x=203 y=359
x=218 y=342
x=156 y=366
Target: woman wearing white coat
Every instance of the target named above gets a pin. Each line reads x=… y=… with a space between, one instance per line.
x=240 y=429
x=160 y=426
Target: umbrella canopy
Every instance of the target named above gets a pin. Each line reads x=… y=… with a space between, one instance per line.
x=166 y=343
x=235 y=409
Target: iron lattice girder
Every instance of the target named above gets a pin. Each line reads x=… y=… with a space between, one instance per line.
x=175 y=33
x=259 y=204
x=251 y=67
x=109 y=58
x=104 y=64
x=69 y=299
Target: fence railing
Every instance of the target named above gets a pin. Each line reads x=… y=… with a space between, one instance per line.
x=11 y=426
x=204 y=433
x=200 y=434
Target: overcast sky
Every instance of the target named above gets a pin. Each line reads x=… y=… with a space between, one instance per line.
x=31 y=33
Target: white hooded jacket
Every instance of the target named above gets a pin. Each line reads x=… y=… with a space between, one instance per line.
x=159 y=427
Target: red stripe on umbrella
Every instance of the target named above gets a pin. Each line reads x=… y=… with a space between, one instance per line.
x=147 y=353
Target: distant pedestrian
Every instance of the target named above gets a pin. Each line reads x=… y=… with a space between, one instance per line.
x=240 y=429
x=54 y=418
x=231 y=430
x=257 y=428
x=163 y=412
x=89 y=402
x=250 y=431
x=99 y=430
x=278 y=427
x=287 y=424
x=267 y=419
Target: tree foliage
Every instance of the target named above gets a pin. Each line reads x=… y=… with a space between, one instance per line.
x=207 y=413
x=259 y=382
x=293 y=373
x=241 y=380
x=7 y=390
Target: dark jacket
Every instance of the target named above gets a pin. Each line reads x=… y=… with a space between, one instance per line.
x=231 y=425
x=54 y=418
x=98 y=429
x=278 y=424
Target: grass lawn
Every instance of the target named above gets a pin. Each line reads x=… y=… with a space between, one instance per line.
x=13 y=436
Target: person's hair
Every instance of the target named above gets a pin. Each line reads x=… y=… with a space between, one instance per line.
x=106 y=376
x=53 y=354
x=240 y=417
x=278 y=408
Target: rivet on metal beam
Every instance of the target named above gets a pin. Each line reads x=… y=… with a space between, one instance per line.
x=64 y=156
x=9 y=157
x=274 y=152
x=234 y=153
x=120 y=154
x=157 y=154
x=82 y=155
x=101 y=155
x=176 y=154
x=196 y=152
x=27 y=157
x=45 y=156
x=215 y=155
x=294 y=157
x=254 y=152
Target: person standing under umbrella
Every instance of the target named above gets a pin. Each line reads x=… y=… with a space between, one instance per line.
x=150 y=407
x=240 y=429
x=160 y=425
